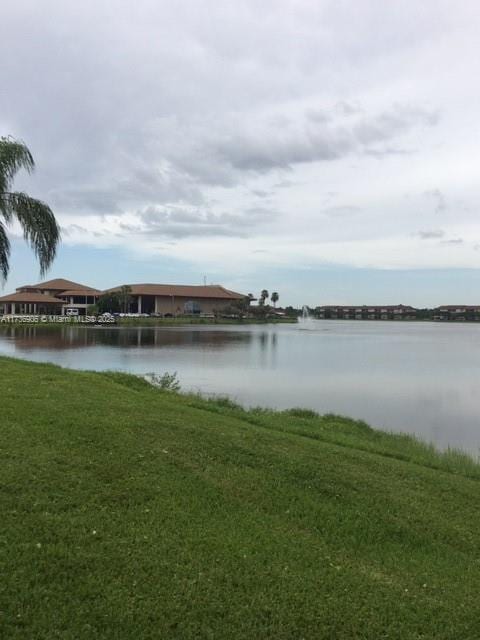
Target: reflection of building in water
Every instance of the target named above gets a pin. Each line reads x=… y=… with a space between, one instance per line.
x=55 y=297
x=268 y=348
x=61 y=337
x=56 y=338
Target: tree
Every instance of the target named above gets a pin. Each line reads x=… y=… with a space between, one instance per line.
x=263 y=296
x=109 y=303
x=241 y=307
x=274 y=298
x=125 y=297
x=40 y=228
x=294 y=313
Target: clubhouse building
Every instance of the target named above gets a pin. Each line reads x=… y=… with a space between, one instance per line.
x=54 y=297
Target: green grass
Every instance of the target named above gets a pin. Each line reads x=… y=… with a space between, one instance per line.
x=128 y=512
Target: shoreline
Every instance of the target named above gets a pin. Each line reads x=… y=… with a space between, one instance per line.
x=145 y=322
x=227 y=402
x=174 y=322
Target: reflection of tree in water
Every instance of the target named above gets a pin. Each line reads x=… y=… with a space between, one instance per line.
x=267 y=338
x=268 y=347
x=263 y=339
x=68 y=337
x=48 y=338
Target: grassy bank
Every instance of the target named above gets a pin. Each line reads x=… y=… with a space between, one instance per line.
x=131 y=512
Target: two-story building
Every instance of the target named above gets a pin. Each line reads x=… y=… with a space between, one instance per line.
x=52 y=297
x=457 y=312
x=366 y=312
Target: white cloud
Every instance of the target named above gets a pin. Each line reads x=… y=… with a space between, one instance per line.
x=295 y=133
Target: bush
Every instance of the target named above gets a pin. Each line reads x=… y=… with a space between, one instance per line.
x=166 y=381
x=301 y=413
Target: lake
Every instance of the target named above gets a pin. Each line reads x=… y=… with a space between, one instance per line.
x=416 y=377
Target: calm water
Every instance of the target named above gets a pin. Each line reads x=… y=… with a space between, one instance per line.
x=415 y=377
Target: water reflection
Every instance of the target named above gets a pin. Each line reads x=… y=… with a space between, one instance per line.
x=26 y=338
x=416 y=377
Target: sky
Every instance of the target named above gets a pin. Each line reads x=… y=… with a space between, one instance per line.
x=327 y=150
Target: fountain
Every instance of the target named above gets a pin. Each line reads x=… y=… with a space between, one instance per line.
x=306 y=321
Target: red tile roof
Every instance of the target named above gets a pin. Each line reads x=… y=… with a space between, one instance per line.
x=454 y=307
x=182 y=291
x=30 y=298
x=80 y=292
x=365 y=307
x=58 y=284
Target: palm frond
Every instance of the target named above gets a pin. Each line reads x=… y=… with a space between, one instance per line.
x=40 y=229
x=4 y=253
x=14 y=155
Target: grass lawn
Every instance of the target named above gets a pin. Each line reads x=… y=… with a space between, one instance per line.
x=130 y=512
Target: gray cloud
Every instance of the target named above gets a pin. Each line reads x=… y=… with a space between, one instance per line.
x=431 y=234
x=125 y=118
x=73 y=228
x=388 y=151
x=341 y=211
x=439 y=200
x=348 y=108
x=179 y=223
x=453 y=241
x=260 y=193
x=262 y=148
x=175 y=123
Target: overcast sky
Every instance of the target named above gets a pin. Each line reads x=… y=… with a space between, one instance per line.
x=326 y=150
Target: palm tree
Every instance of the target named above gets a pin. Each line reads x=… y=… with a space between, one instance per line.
x=40 y=229
x=274 y=298
x=264 y=295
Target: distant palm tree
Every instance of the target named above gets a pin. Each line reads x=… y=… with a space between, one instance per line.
x=264 y=295
x=274 y=298
x=40 y=229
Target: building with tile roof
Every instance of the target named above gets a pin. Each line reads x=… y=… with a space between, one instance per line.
x=58 y=295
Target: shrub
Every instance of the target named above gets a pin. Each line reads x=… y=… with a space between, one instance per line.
x=166 y=381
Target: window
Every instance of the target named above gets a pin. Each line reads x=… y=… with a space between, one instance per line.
x=192 y=307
